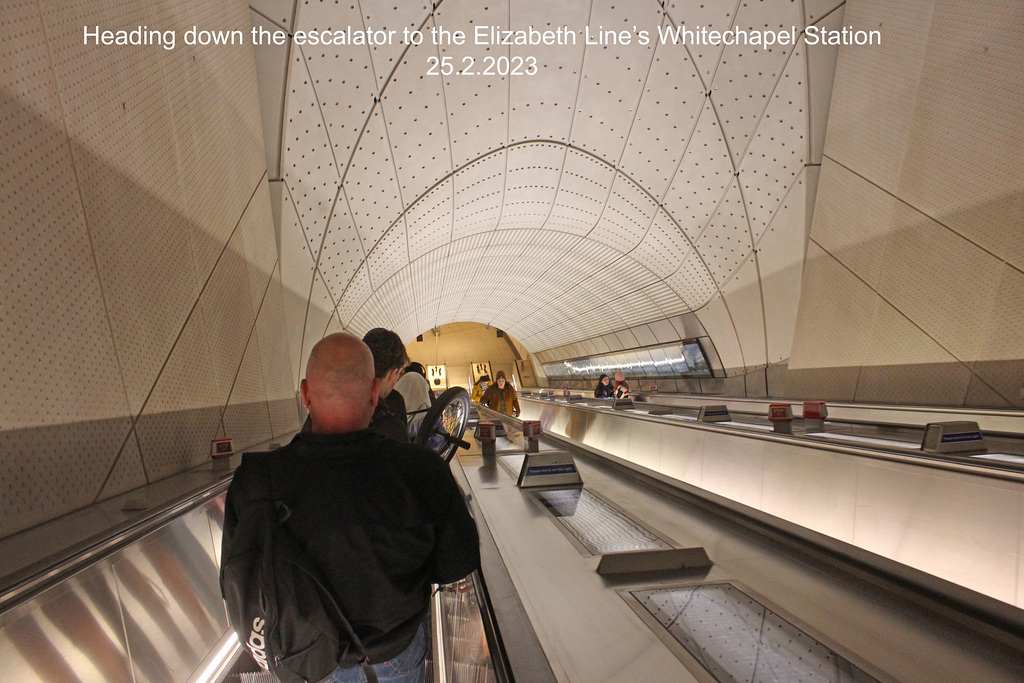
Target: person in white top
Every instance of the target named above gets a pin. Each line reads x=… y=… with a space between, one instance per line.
x=415 y=389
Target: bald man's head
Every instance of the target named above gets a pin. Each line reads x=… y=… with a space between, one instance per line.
x=340 y=389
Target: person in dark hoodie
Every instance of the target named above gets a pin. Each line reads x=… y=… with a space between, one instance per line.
x=604 y=388
x=382 y=521
x=501 y=396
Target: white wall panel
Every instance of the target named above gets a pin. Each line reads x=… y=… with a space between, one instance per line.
x=343 y=78
x=582 y=192
x=126 y=473
x=429 y=221
x=271 y=72
x=716 y=16
x=815 y=10
x=976 y=57
x=216 y=124
x=612 y=80
x=256 y=228
x=415 y=110
x=370 y=184
x=672 y=99
x=305 y=141
x=46 y=372
x=1000 y=365
x=924 y=259
x=780 y=260
x=133 y=167
x=909 y=364
x=663 y=247
x=543 y=108
x=926 y=218
x=667 y=301
x=530 y=183
x=626 y=218
x=43 y=478
x=391 y=16
x=479 y=190
x=703 y=177
x=343 y=251
x=184 y=410
x=854 y=225
x=726 y=242
x=835 y=315
x=296 y=272
x=747 y=74
x=278 y=11
x=279 y=370
x=869 y=119
x=113 y=99
x=466 y=96
x=777 y=147
x=821 y=72
x=692 y=281
x=247 y=416
x=715 y=319
x=663 y=331
x=743 y=295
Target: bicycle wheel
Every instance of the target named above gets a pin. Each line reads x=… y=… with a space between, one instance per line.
x=445 y=423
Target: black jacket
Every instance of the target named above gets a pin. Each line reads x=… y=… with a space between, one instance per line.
x=381 y=520
x=389 y=418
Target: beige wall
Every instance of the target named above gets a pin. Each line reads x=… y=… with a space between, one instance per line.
x=459 y=345
x=141 y=302
x=914 y=280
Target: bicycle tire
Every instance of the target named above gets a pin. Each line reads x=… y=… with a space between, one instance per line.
x=445 y=423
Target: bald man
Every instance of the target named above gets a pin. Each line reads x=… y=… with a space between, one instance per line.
x=382 y=520
x=388 y=362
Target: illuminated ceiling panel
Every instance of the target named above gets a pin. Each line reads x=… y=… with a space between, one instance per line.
x=618 y=186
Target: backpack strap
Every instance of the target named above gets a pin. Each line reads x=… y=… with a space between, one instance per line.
x=281 y=513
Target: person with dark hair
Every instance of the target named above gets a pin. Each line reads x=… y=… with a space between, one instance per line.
x=480 y=387
x=415 y=390
x=501 y=396
x=604 y=388
x=381 y=521
x=389 y=361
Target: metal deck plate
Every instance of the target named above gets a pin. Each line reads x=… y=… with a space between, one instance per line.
x=595 y=524
x=737 y=639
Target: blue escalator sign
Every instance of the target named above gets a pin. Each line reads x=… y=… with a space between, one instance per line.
x=568 y=468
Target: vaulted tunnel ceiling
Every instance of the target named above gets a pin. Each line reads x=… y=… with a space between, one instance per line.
x=618 y=186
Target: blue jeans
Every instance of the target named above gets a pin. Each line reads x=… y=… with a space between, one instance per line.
x=405 y=667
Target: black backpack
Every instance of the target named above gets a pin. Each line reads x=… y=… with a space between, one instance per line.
x=278 y=604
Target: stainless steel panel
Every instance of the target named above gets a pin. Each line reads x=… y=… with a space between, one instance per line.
x=467 y=655
x=73 y=632
x=170 y=596
x=941 y=518
x=1009 y=421
x=733 y=469
x=814 y=489
x=949 y=526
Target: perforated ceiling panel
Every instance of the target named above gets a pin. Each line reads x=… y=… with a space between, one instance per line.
x=620 y=185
